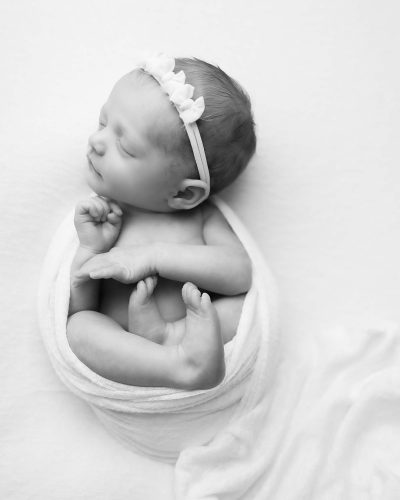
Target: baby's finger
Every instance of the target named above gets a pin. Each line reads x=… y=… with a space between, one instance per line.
x=105 y=202
x=107 y=272
x=97 y=262
x=94 y=208
x=100 y=209
x=76 y=281
x=111 y=207
x=83 y=207
x=113 y=218
x=115 y=208
x=79 y=277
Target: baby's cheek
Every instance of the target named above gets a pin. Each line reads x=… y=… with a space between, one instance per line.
x=123 y=188
x=159 y=182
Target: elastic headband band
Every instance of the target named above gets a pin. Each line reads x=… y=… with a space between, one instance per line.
x=161 y=67
x=199 y=154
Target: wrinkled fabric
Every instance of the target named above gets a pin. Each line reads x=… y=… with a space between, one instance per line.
x=160 y=422
x=323 y=424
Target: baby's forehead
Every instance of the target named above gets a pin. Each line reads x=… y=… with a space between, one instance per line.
x=133 y=90
x=145 y=104
x=136 y=91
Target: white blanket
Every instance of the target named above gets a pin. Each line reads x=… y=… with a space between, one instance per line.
x=166 y=423
x=322 y=425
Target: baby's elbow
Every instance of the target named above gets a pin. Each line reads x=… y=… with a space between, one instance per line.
x=247 y=274
x=237 y=270
x=244 y=274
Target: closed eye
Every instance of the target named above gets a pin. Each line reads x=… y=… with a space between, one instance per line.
x=124 y=150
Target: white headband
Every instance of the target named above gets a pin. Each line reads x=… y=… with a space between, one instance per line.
x=161 y=67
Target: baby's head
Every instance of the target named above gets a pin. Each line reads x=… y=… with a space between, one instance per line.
x=165 y=175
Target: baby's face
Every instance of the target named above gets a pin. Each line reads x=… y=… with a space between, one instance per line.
x=123 y=164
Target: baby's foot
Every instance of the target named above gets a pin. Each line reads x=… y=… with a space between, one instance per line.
x=144 y=317
x=202 y=344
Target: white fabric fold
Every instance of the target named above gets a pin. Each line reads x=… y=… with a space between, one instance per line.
x=323 y=424
x=168 y=424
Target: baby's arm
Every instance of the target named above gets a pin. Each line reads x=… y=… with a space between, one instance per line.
x=97 y=222
x=221 y=265
x=83 y=295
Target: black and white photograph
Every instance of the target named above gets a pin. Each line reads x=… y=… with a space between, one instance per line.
x=200 y=250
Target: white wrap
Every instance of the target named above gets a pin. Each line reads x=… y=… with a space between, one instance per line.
x=162 y=422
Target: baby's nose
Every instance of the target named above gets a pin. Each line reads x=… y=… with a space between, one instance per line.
x=97 y=142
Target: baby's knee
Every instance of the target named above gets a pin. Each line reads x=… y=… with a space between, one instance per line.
x=77 y=331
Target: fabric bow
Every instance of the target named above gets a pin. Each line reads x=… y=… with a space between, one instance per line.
x=161 y=67
x=172 y=81
x=190 y=111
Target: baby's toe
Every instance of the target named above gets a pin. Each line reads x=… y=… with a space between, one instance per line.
x=150 y=283
x=206 y=301
x=191 y=296
x=140 y=292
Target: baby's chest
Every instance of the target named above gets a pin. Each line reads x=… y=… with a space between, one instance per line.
x=168 y=228
x=146 y=229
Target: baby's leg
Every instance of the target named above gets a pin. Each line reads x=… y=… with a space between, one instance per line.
x=197 y=362
x=144 y=318
x=229 y=310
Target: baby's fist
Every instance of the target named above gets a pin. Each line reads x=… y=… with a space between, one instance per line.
x=98 y=223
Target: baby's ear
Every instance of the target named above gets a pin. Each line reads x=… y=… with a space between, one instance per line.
x=191 y=193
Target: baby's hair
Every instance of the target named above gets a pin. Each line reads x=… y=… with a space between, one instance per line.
x=226 y=126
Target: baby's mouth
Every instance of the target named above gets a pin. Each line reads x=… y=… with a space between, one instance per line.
x=92 y=167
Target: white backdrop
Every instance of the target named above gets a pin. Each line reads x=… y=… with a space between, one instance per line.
x=321 y=197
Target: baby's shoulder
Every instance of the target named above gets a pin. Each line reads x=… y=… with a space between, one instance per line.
x=216 y=228
x=211 y=213
x=209 y=209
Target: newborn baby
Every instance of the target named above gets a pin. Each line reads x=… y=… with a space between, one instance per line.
x=159 y=278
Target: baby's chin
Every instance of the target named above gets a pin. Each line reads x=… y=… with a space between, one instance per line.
x=94 y=183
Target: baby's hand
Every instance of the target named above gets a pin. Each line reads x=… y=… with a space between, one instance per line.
x=98 y=223
x=127 y=265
